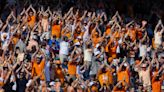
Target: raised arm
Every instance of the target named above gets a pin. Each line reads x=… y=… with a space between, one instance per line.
x=4 y=27
x=100 y=33
x=27 y=72
x=33 y=10
x=30 y=7
x=122 y=64
x=7 y=76
x=10 y=71
x=143 y=58
x=104 y=15
x=16 y=29
x=115 y=87
x=148 y=61
x=23 y=11
x=66 y=19
x=157 y=63
x=1 y=23
x=102 y=51
x=28 y=35
x=35 y=53
x=33 y=29
x=156 y=27
x=93 y=15
x=162 y=30
x=143 y=39
x=73 y=53
x=48 y=11
x=27 y=10
x=99 y=70
x=35 y=78
x=114 y=16
x=154 y=77
x=127 y=25
x=85 y=12
x=66 y=15
x=93 y=31
x=13 y=16
x=17 y=71
x=119 y=17
x=118 y=27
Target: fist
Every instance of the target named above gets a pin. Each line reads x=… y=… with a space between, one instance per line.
x=144 y=22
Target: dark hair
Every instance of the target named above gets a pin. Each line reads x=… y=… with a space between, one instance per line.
x=1 y=52
x=54 y=36
x=33 y=49
x=65 y=38
x=17 y=48
x=5 y=68
x=103 y=70
x=157 y=78
x=123 y=68
x=70 y=81
x=88 y=46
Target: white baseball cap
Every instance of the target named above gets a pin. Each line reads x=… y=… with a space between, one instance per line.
x=52 y=83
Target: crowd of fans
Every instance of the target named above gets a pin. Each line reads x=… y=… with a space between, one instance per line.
x=81 y=51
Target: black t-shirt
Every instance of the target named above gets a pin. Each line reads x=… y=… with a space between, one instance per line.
x=8 y=86
x=21 y=84
x=123 y=52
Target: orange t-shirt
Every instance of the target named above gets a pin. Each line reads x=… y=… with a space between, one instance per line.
x=38 y=68
x=132 y=34
x=15 y=40
x=107 y=46
x=31 y=22
x=139 y=34
x=156 y=86
x=110 y=76
x=96 y=41
x=59 y=74
x=108 y=30
x=76 y=35
x=72 y=68
x=116 y=90
x=123 y=74
x=113 y=51
x=56 y=30
x=117 y=34
x=93 y=89
x=68 y=34
x=153 y=43
x=106 y=78
x=103 y=79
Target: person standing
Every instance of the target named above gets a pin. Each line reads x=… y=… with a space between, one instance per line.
x=64 y=49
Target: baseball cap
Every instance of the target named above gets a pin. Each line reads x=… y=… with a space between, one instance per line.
x=52 y=83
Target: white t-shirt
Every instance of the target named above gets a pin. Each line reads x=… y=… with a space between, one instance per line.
x=87 y=55
x=5 y=44
x=158 y=38
x=45 y=24
x=118 y=49
x=143 y=50
x=64 y=48
x=145 y=77
x=86 y=34
x=78 y=70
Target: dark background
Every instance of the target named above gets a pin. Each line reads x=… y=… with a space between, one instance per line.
x=150 y=10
